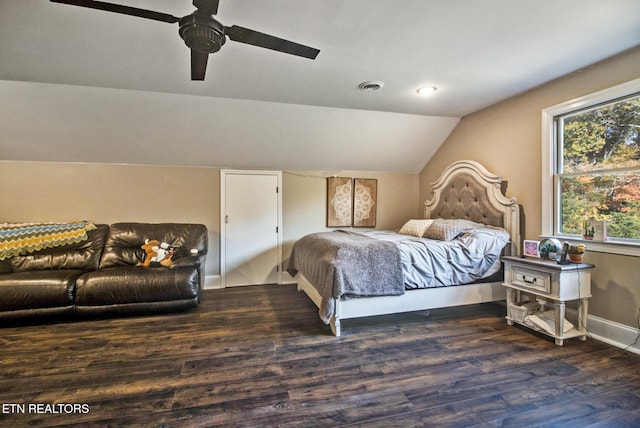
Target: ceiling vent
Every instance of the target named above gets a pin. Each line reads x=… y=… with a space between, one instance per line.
x=371 y=86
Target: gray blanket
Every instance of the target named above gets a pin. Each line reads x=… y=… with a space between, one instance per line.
x=343 y=263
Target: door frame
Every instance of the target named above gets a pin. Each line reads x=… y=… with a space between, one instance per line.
x=223 y=175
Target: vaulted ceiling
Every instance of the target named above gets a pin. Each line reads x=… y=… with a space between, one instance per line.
x=82 y=85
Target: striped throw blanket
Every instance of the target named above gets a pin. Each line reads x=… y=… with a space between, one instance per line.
x=23 y=238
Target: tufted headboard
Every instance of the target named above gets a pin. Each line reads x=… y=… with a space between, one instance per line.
x=466 y=190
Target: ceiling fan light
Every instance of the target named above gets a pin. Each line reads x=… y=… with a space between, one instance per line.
x=427 y=90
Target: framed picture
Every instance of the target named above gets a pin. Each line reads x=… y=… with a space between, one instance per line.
x=365 y=201
x=594 y=230
x=339 y=201
x=531 y=248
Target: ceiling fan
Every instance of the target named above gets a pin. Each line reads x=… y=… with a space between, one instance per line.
x=202 y=33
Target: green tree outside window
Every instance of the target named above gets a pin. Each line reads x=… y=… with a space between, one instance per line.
x=599 y=171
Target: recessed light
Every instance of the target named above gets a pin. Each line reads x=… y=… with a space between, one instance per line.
x=427 y=90
x=371 y=85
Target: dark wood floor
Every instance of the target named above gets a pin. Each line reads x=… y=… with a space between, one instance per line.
x=259 y=356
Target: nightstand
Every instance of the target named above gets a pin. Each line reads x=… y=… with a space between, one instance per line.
x=533 y=284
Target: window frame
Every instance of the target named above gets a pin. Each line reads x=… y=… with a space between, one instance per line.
x=551 y=212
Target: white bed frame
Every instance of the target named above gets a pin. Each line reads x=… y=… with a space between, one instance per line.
x=444 y=194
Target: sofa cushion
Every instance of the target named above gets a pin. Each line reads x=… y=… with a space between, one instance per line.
x=131 y=284
x=83 y=255
x=123 y=245
x=5 y=266
x=35 y=290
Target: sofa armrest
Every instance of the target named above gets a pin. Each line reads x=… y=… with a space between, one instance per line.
x=197 y=260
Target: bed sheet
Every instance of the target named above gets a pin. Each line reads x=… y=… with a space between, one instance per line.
x=470 y=257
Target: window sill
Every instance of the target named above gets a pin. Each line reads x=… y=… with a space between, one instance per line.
x=611 y=246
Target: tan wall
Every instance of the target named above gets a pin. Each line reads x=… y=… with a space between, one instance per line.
x=41 y=191
x=304 y=202
x=506 y=138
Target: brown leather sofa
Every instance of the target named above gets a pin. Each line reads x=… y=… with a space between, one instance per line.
x=100 y=276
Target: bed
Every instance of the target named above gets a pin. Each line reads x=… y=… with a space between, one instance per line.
x=372 y=279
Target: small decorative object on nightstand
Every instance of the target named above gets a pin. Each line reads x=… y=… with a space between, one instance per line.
x=533 y=284
x=576 y=252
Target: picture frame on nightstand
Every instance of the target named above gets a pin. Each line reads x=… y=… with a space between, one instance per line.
x=531 y=248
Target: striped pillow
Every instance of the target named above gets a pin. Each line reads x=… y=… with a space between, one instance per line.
x=415 y=227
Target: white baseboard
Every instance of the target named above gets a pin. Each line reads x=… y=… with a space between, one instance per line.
x=212 y=282
x=610 y=332
x=613 y=333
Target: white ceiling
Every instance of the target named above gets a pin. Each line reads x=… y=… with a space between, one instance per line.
x=60 y=64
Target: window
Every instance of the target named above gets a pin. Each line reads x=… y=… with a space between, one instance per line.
x=591 y=167
x=598 y=168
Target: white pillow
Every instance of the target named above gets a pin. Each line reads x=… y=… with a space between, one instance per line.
x=415 y=227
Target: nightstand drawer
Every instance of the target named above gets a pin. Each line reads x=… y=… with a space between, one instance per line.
x=531 y=279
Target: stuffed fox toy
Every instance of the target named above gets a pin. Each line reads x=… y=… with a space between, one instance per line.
x=156 y=252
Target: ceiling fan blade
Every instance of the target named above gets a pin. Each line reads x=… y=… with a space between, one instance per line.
x=255 y=38
x=198 y=64
x=208 y=6
x=125 y=10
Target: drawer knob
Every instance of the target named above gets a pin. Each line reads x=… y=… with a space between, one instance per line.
x=530 y=282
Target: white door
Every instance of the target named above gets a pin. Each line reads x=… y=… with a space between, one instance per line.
x=250 y=227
